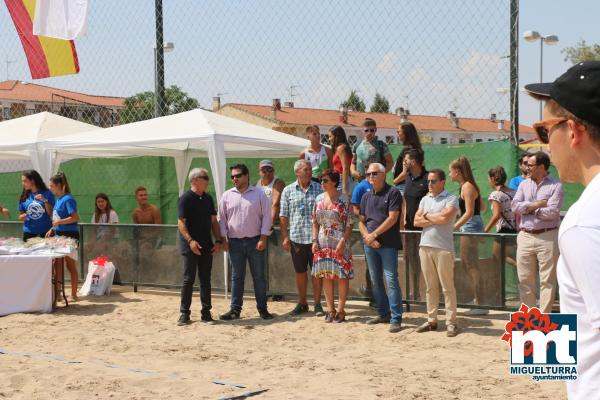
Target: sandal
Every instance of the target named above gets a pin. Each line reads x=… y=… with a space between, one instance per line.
x=340 y=317
x=329 y=316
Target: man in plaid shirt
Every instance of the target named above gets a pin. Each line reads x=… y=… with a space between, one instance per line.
x=297 y=204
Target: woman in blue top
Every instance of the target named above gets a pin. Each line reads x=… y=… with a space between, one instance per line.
x=35 y=205
x=64 y=221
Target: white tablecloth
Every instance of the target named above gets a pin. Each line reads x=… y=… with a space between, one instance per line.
x=25 y=284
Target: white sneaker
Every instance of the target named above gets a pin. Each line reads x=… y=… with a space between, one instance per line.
x=476 y=312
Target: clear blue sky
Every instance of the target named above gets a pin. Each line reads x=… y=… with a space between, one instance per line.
x=431 y=55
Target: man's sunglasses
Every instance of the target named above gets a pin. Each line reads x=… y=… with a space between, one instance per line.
x=367 y=130
x=236 y=176
x=204 y=177
x=432 y=181
x=373 y=174
x=543 y=129
x=267 y=169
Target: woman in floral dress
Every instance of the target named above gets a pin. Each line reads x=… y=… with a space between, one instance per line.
x=332 y=227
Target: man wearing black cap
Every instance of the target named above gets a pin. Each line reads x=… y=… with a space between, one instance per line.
x=571 y=127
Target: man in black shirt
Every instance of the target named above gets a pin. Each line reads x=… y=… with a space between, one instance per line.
x=197 y=216
x=379 y=226
x=416 y=188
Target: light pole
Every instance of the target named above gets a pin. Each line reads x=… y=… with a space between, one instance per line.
x=533 y=36
x=159 y=78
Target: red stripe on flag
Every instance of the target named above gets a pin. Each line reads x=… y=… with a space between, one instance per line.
x=36 y=58
x=75 y=59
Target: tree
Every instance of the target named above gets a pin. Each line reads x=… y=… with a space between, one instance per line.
x=380 y=104
x=582 y=52
x=140 y=107
x=354 y=103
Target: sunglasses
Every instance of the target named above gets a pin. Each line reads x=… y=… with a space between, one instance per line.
x=267 y=169
x=204 y=177
x=236 y=176
x=531 y=165
x=369 y=130
x=543 y=129
x=432 y=181
x=324 y=181
x=373 y=174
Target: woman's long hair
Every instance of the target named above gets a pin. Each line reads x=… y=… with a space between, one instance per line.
x=98 y=211
x=339 y=137
x=462 y=165
x=61 y=179
x=411 y=137
x=37 y=180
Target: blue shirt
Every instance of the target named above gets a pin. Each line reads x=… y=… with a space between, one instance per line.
x=37 y=220
x=298 y=205
x=515 y=182
x=359 y=190
x=64 y=207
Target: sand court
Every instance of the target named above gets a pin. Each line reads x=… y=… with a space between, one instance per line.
x=127 y=346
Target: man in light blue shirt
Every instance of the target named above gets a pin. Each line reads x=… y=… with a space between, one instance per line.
x=516 y=181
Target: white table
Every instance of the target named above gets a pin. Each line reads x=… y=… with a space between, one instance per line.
x=25 y=284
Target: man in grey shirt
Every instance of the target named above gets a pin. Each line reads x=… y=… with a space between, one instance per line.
x=436 y=215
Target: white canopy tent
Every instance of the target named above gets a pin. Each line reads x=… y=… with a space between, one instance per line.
x=21 y=139
x=196 y=133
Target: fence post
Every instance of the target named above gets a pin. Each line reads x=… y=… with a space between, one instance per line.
x=503 y=270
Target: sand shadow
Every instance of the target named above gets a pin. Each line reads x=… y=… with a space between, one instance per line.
x=85 y=309
x=114 y=297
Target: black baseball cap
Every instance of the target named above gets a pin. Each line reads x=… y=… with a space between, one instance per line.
x=577 y=91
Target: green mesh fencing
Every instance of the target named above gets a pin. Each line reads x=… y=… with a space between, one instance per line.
x=118 y=178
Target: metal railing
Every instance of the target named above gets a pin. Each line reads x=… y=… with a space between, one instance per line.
x=149 y=255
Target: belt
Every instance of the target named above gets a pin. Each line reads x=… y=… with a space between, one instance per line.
x=538 y=231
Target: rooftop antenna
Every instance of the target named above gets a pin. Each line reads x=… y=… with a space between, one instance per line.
x=291 y=93
x=8 y=62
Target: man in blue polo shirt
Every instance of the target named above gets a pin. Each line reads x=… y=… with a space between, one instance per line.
x=379 y=226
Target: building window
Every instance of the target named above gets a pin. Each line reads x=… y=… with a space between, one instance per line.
x=325 y=139
x=17 y=110
x=443 y=140
x=6 y=113
x=352 y=140
x=389 y=140
x=461 y=140
x=478 y=140
x=490 y=140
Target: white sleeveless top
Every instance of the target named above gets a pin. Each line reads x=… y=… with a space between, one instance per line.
x=268 y=189
x=318 y=161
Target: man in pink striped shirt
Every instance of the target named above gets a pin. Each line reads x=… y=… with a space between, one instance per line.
x=245 y=222
x=538 y=201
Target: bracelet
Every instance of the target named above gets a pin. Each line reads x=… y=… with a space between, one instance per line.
x=189 y=240
x=315 y=241
x=219 y=241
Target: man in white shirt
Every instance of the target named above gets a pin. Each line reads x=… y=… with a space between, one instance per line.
x=571 y=126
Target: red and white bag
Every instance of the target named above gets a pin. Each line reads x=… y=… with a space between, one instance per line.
x=98 y=281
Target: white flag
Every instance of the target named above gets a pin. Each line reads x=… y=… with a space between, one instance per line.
x=61 y=19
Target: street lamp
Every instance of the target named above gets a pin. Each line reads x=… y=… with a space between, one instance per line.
x=159 y=78
x=533 y=36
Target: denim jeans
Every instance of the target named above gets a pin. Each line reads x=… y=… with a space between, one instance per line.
x=241 y=250
x=202 y=264
x=384 y=262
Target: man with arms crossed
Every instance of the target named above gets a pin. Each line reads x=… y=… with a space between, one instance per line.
x=571 y=126
x=436 y=215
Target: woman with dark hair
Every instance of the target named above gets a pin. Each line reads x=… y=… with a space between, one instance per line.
x=104 y=213
x=471 y=205
x=408 y=136
x=332 y=227
x=64 y=221
x=342 y=158
x=36 y=204
x=502 y=215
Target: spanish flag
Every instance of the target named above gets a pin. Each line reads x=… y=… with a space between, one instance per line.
x=46 y=56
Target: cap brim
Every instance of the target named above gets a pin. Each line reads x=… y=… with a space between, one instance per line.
x=539 y=89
